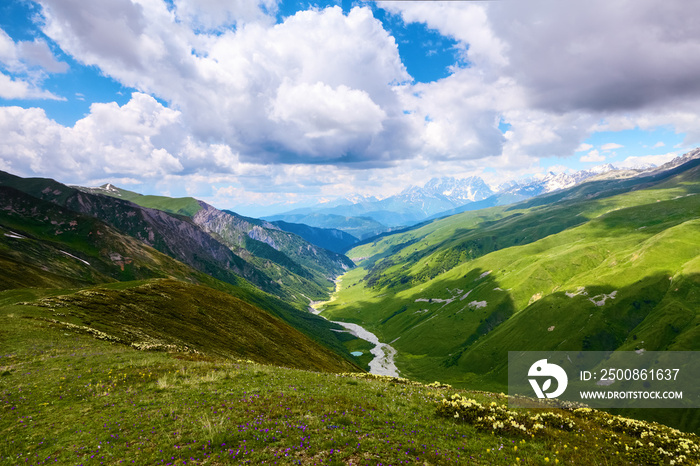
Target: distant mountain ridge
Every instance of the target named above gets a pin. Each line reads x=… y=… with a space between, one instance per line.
x=444 y=196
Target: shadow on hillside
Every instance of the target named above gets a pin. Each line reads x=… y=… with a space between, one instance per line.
x=655 y=314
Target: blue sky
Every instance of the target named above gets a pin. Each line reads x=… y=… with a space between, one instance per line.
x=262 y=106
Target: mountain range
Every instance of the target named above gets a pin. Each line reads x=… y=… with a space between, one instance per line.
x=56 y=237
x=610 y=263
x=365 y=217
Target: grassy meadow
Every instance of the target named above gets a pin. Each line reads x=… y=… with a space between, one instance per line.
x=70 y=398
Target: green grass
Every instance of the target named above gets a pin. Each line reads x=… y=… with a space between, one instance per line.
x=457 y=294
x=67 y=398
x=187 y=206
x=168 y=314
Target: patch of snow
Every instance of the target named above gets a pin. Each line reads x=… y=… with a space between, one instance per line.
x=550 y=328
x=488 y=272
x=465 y=295
x=579 y=291
x=601 y=298
x=478 y=304
x=77 y=258
x=498 y=288
x=12 y=234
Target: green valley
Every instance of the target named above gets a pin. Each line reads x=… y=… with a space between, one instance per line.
x=608 y=264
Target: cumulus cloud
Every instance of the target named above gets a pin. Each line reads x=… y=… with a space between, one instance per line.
x=138 y=139
x=593 y=156
x=26 y=64
x=611 y=146
x=318 y=87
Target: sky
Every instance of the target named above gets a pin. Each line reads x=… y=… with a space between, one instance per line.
x=260 y=106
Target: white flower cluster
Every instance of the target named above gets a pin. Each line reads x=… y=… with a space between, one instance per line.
x=499 y=419
x=654 y=441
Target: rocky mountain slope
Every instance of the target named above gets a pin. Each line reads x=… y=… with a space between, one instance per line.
x=280 y=262
x=54 y=236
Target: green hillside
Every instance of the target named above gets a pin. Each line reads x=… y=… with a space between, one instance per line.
x=605 y=265
x=187 y=206
x=170 y=315
x=46 y=246
x=221 y=244
x=69 y=398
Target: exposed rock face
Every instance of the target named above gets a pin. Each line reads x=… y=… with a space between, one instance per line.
x=234 y=231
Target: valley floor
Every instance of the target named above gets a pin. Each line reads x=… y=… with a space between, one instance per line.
x=383 y=362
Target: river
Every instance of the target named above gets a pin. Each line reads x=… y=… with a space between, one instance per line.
x=383 y=361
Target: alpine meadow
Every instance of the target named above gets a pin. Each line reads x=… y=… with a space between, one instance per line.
x=368 y=233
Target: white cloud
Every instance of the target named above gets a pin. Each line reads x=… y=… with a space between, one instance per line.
x=658 y=144
x=583 y=147
x=592 y=156
x=135 y=140
x=598 y=55
x=216 y=14
x=328 y=119
x=239 y=86
x=26 y=63
x=37 y=53
x=633 y=162
x=14 y=88
x=611 y=146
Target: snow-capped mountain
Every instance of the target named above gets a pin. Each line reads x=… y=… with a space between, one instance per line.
x=459 y=190
x=448 y=195
x=550 y=182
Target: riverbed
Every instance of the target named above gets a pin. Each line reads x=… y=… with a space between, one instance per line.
x=383 y=361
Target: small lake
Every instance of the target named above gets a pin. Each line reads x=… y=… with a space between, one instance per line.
x=357 y=353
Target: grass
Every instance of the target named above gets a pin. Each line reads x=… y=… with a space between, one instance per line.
x=187 y=206
x=67 y=398
x=171 y=315
x=455 y=295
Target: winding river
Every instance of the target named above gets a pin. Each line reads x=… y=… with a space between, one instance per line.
x=383 y=361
